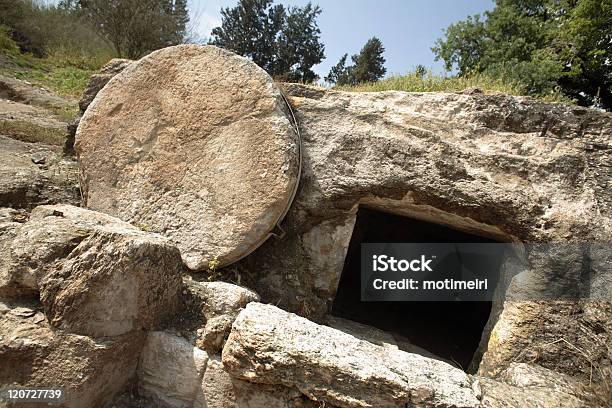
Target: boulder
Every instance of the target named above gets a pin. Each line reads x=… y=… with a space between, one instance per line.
x=171 y=370
x=565 y=336
x=526 y=386
x=96 y=275
x=270 y=346
x=37 y=245
x=219 y=303
x=25 y=184
x=8 y=229
x=100 y=79
x=96 y=83
x=377 y=336
x=195 y=143
x=91 y=371
x=221 y=390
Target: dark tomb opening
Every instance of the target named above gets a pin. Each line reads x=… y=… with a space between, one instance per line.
x=450 y=330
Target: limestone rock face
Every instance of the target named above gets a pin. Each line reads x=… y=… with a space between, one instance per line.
x=194 y=143
x=171 y=370
x=268 y=345
x=8 y=229
x=31 y=123
x=495 y=165
x=24 y=92
x=96 y=275
x=221 y=390
x=112 y=284
x=525 y=386
x=378 y=337
x=25 y=184
x=37 y=244
x=90 y=370
x=503 y=167
x=220 y=303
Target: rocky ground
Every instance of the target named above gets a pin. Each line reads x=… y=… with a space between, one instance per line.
x=33 y=126
x=107 y=309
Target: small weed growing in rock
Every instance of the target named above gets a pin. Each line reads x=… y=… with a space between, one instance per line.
x=213 y=264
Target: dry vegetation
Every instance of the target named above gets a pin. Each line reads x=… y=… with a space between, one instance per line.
x=412 y=82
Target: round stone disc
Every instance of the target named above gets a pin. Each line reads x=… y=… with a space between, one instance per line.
x=194 y=143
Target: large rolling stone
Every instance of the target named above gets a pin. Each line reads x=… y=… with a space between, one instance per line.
x=195 y=143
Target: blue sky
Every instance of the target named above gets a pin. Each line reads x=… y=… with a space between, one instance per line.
x=407 y=28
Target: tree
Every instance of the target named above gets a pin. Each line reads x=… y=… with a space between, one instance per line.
x=544 y=45
x=369 y=63
x=340 y=74
x=299 y=47
x=284 y=42
x=420 y=71
x=20 y=17
x=69 y=5
x=137 y=27
x=368 y=66
x=251 y=29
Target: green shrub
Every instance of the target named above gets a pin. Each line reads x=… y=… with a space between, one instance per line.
x=7 y=44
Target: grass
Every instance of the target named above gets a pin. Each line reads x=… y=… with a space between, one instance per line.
x=32 y=133
x=67 y=113
x=62 y=72
x=53 y=73
x=438 y=83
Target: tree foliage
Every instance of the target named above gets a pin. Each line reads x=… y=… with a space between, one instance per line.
x=368 y=66
x=18 y=16
x=137 y=27
x=542 y=44
x=283 y=41
x=340 y=74
x=41 y=28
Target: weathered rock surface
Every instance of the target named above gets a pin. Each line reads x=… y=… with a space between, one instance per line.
x=170 y=370
x=495 y=165
x=25 y=184
x=158 y=151
x=32 y=114
x=219 y=304
x=91 y=371
x=527 y=386
x=22 y=91
x=377 y=336
x=8 y=229
x=268 y=345
x=181 y=140
x=36 y=245
x=502 y=167
x=12 y=215
x=30 y=123
x=221 y=390
x=564 y=336
x=100 y=79
x=96 y=275
x=96 y=83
